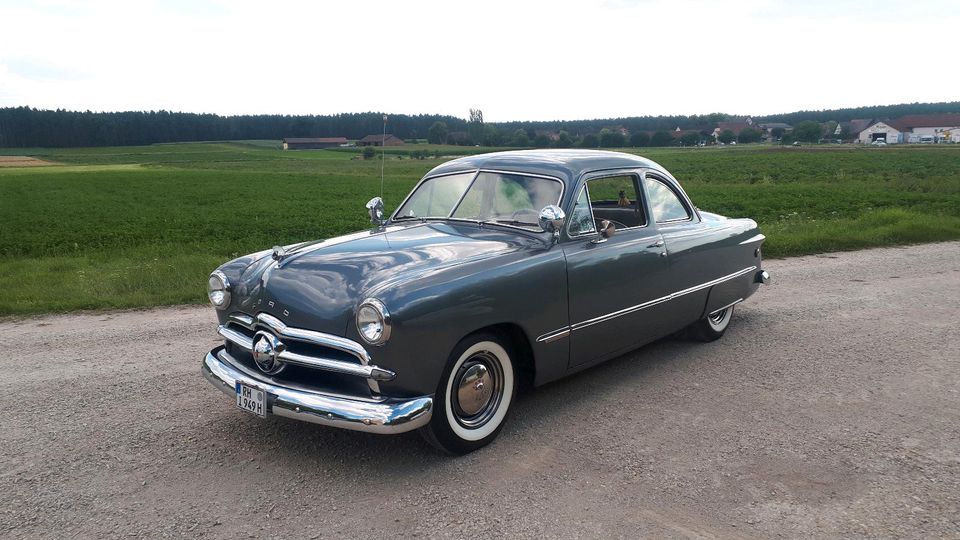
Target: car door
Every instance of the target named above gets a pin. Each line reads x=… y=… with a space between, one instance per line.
x=612 y=281
x=686 y=242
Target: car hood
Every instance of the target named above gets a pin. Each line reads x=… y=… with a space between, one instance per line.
x=318 y=285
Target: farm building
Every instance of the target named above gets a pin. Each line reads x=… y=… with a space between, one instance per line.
x=931 y=128
x=766 y=129
x=854 y=127
x=914 y=128
x=888 y=131
x=309 y=143
x=735 y=126
x=380 y=140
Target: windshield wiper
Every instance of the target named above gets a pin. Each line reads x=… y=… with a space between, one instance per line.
x=513 y=222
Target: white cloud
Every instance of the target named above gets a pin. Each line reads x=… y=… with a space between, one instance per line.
x=515 y=60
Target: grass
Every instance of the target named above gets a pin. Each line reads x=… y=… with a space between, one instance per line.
x=143 y=226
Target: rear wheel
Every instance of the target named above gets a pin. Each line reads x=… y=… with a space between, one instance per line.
x=474 y=395
x=713 y=325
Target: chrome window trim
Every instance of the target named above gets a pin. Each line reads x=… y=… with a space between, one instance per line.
x=476 y=173
x=593 y=219
x=393 y=216
x=638 y=177
x=608 y=174
x=566 y=330
x=677 y=190
x=514 y=173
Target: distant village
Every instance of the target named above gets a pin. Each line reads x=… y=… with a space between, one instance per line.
x=908 y=129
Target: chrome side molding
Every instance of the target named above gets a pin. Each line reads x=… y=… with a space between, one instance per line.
x=565 y=331
x=752 y=239
x=730 y=305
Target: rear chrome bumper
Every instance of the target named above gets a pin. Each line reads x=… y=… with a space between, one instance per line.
x=386 y=416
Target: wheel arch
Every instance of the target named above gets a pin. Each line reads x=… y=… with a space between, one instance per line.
x=516 y=337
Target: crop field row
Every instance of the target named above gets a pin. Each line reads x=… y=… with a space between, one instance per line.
x=140 y=226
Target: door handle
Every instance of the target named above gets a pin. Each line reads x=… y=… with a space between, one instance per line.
x=658 y=243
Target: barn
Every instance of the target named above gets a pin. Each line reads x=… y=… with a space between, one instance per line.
x=915 y=128
x=932 y=128
x=381 y=140
x=312 y=143
x=887 y=131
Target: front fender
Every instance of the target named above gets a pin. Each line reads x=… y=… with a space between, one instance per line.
x=431 y=314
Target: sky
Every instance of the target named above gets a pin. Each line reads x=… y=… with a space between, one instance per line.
x=514 y=60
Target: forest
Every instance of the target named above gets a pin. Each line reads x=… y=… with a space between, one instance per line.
x=26 y=127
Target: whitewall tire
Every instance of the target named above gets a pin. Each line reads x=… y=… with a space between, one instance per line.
x=713 y=325
x=474 y=395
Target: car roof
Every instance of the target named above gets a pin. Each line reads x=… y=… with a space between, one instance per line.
x=567 y=165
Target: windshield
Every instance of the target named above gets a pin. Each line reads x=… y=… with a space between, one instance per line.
x=509 y=199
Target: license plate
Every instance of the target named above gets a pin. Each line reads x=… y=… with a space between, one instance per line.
x=252 y=399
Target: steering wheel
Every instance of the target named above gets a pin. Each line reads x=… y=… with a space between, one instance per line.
x=615 y=223
x=527 y=212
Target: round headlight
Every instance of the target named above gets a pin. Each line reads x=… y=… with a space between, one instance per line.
x=373 y=322
x=218 y=290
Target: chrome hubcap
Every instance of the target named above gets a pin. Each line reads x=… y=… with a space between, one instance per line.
x=478 y=390
x=717 y=317
x=474 y=389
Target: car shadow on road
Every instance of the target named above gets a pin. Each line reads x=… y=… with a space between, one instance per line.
x=540 y=418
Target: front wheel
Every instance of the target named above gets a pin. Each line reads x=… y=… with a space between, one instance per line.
x=713 y=325
x=474 y=395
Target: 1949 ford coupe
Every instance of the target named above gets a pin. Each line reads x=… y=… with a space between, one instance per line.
x=497 y=271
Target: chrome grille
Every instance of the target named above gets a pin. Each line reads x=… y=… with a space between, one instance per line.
x=306 y=348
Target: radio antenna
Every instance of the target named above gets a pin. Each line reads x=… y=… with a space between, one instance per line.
x=383 y=153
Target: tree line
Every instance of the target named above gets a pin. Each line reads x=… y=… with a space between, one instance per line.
x=29 y=127
x=22 y=127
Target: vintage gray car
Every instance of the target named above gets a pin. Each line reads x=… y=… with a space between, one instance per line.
x=499 y=271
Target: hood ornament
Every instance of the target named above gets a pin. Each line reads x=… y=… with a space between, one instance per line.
x=278 y=253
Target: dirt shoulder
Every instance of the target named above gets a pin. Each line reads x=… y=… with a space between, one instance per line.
x=831 y=408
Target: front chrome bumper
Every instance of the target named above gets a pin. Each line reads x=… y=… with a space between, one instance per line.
x=384 y=415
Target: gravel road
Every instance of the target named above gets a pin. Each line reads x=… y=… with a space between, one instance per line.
x=831 y=408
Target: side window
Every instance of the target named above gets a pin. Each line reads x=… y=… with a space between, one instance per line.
x=664 y=203
x=581 y=221
x=614 y=198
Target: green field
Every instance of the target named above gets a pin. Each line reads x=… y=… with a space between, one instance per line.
x=141 y=226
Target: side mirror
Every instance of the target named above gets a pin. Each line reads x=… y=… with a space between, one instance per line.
x=375 y=209
x=551 y=219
